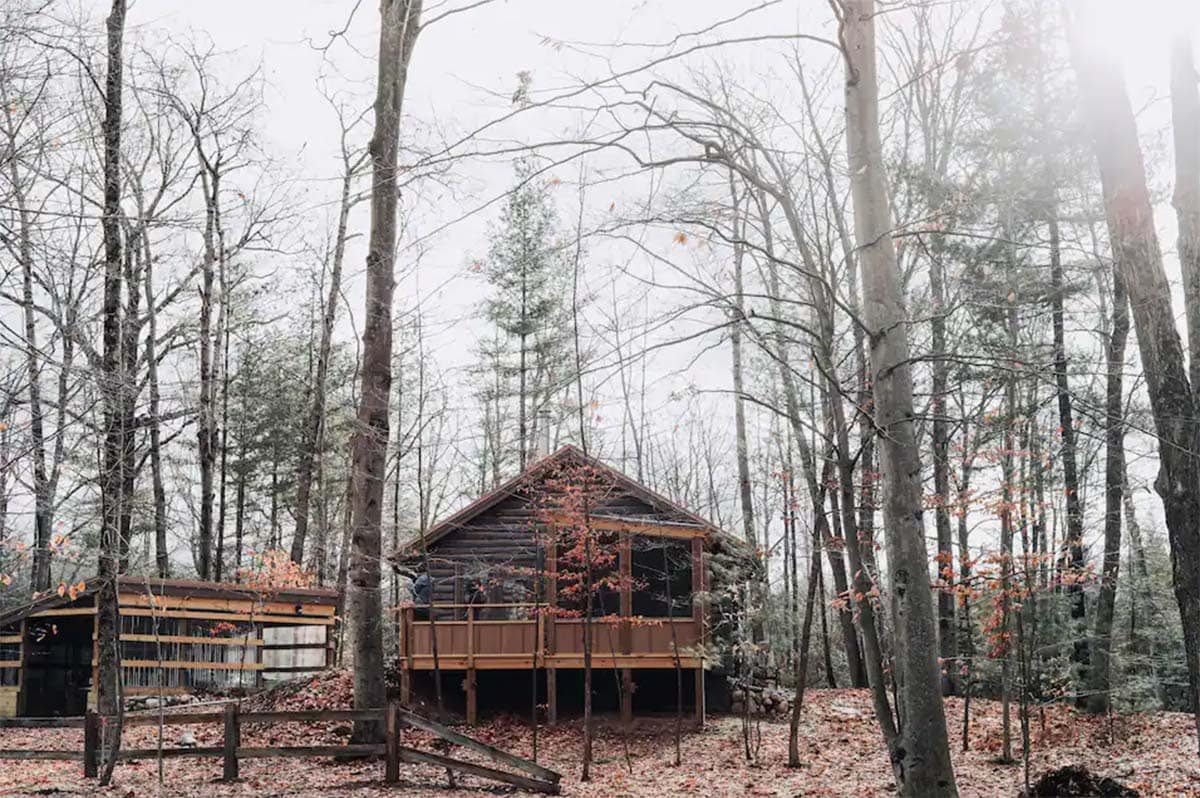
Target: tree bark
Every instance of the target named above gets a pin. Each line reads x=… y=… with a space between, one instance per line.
x=206 y=432
x=108 y=623
x=920 y=750
x=1130 y=220
x=161 y=555
x=941 y=471
x=43 y=513
x=316 y=409
x=1073 y=545
x=397 y=35
x=833 y=547
x=1114 y=488
x=1185 y=119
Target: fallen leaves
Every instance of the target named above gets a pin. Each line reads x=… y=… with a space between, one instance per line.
x=841 y=751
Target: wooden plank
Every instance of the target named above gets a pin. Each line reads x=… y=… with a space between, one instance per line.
x=63 y=611
x=358 y=749
x=182 y=665
x=240 y=606
x=495 y=754
x=10 y=663
x=42 y=723
x=173 y=719
x=61 y=756
x=232 y=617
x=140 y=691
x=312 y=715
x=10 y=638
x=643 y=528
x=170 y=753
x=413 y=756
x=216 y=641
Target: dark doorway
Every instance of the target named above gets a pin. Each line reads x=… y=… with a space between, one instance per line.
x=58 y=666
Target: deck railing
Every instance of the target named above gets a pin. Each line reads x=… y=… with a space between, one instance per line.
x=532 y=635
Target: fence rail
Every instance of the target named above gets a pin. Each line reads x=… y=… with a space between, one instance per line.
x=532 y=776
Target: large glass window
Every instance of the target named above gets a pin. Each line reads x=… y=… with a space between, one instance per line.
x=662 y=577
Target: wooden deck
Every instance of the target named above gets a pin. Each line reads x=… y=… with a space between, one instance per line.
x=543 y=640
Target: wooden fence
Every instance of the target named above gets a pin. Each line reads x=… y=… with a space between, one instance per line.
x=531 y=776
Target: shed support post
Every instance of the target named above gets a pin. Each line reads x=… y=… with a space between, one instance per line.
x=552 y=696
x=232 y=735
x=91 y=744
x=700 y=697
x=391 y=772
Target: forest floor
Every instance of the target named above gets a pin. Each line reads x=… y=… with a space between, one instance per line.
x=840 y=746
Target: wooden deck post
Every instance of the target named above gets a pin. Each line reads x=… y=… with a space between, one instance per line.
x=469 y=684
x=699 y=616
x=91 y=744
x=232 y=735
x=626 y=695
x=406 y=641
x=391 y=772
x=549 y=626
x=625 y=566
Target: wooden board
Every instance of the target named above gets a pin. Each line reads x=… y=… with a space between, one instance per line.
x=215 y=641
x=226 y=605
x=300 y=620
x=180 y=665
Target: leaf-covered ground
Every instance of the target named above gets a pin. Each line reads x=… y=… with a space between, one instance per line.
x=841 y=748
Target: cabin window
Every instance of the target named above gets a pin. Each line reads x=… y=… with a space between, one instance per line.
x=605 y=576
x=662 y=577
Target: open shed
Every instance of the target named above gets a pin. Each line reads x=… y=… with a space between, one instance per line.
x=177 y=636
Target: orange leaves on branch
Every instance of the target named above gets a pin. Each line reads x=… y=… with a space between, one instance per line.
x=274 y=570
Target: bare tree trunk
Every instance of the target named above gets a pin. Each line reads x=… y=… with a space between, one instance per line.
x=1130 y=219
x=1114 y=479
x=108 y=622
x=833 y=549
x=1185 y=118
x=43 y=513
x=316 y=410
x=1073 y=545
x=920 y=748
x=206 y=427
x=161 y=555
x=941 y=470
x=1007 y=480
x=814 y=567
x=397 y=35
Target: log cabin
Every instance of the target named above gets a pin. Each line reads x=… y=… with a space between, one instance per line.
x=506 y=587
x=177 y=636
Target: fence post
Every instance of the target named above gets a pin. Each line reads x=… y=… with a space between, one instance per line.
x=391 y=772
x=91 y=740
x=232 y=739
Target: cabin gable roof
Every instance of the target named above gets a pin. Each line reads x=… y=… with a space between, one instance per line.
x=659 y=510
